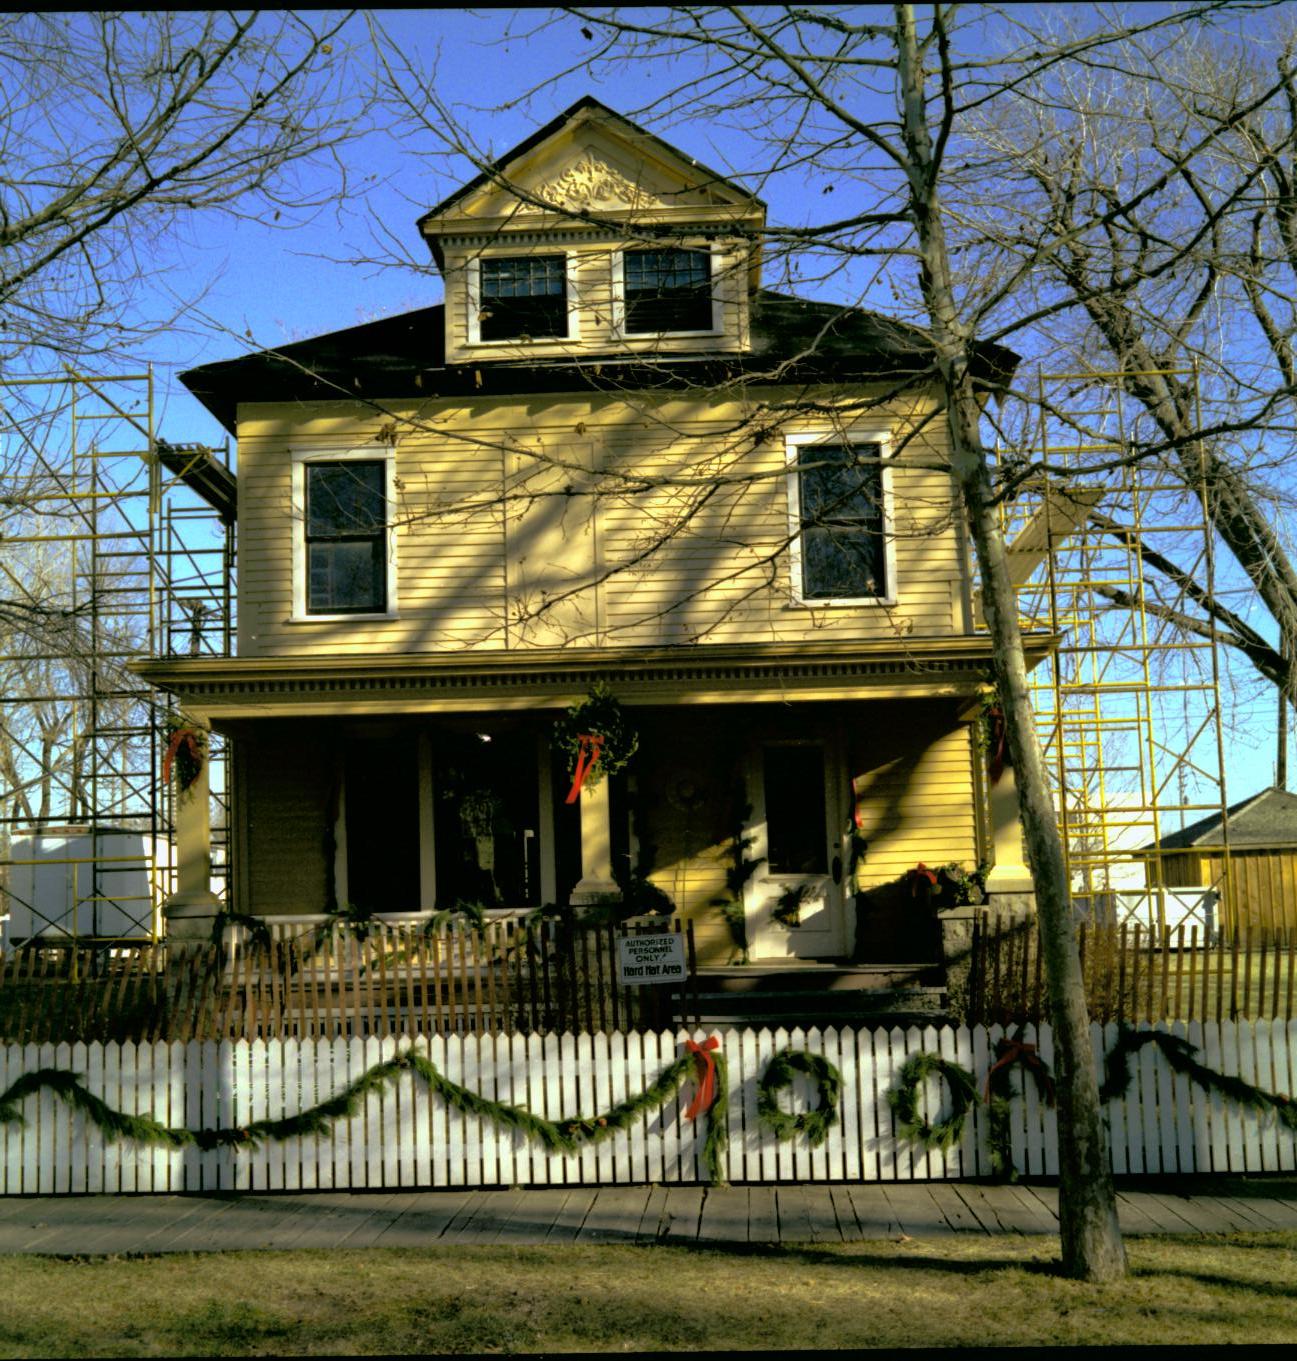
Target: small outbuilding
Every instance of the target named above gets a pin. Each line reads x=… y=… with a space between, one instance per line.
x=1260 y=890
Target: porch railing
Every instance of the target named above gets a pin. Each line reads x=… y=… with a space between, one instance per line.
x=320 y=981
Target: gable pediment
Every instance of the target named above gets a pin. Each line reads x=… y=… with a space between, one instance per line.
x=592 y=161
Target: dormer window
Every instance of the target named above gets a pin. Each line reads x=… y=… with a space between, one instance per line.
x=522 y=297
x=667 y=290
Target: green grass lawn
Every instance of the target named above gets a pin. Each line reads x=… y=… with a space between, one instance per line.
x=937 y=1292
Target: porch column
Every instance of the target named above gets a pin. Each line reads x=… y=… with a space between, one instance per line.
x=189 y=912
x=596 y=846
x=1010 y=874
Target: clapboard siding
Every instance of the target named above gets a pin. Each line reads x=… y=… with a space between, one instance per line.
x=587 y=520
x=405 y=1137
x=287 y=781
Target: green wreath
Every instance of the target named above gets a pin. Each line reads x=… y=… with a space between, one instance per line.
x=601 y=714
x=815 y=1123
x=904 y=1101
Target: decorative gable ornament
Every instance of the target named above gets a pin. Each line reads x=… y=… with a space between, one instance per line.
x=591 y=182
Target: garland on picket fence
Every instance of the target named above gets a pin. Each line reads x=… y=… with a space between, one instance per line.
x=814 y=1123
x=564 y=1136
x=1181 y=1056
x=998 y=1091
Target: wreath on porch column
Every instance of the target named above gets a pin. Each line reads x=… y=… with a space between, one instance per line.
x=594 y=739
x=185 y=752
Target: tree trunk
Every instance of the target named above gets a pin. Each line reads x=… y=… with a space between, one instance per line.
x=1091 y=1239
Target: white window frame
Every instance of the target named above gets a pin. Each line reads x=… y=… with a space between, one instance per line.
x=375 y=454
x=473 y=274
x=793 y=446
x=619 y=297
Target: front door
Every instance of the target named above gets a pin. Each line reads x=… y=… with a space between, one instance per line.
x=794 y=901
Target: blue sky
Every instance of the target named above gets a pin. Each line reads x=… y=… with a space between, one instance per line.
x=262 y=286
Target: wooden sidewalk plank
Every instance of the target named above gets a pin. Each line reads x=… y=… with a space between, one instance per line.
x=874 y=1212
x=683 y=1212
x=1278 y=1213
x=483 y=1220
x=1135 y=1216
x=954 y=1210
x=996 y=1214
x=763 y=1215
x=651 y=1222
x=615 y=1215
x=916 y=1211
x=424 y=1219
x=794 y=1215
x=1196 y=1216
x=571 y=1215
x=724 y=1215
x=824 y=1219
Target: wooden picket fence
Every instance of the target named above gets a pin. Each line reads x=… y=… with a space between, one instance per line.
x=405 y=1137
x=326 y=983
x=1135 y=974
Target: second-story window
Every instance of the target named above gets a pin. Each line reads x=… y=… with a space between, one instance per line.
x=667 y=290
x=842 y=536
x=523 y=297
x=346 y=538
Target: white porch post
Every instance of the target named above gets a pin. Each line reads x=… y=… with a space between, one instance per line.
x=189 y=912
x=1010 y=873
x=596 y=846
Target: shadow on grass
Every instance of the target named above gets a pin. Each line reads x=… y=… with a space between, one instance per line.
x=851 y=1257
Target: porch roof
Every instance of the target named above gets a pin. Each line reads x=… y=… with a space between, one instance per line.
x=550 y=678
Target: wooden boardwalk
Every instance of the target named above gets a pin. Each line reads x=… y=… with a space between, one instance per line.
x=804 y=1214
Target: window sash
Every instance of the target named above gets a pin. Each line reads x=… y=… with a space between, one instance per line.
x=842 y=531
x=523 y=296
x=346 y=537
x=667 y=290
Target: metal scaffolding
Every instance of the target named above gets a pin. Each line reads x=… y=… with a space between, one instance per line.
x=109 y=554
x=1109 y=546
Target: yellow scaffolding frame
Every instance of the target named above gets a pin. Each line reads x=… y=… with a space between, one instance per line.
x=140 y=572
x=1129 y=708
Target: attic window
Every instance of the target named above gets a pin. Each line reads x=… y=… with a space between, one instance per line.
x=667 y=290
x=523 y=297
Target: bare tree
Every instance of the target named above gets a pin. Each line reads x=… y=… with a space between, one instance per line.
x=117 y=127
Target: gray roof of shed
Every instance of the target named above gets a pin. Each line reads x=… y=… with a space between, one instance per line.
x=1265 y=819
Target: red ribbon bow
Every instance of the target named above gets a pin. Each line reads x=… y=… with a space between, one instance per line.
x=182 y=737
x=1018 y=1051
x=589 y=749
x=921 y=871
x=706 y=1092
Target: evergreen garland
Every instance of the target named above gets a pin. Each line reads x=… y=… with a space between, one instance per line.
x=903 y=1099
x=561 y=1137
x=814 y=1124
x=1182 y=1057
x=1009 y=1053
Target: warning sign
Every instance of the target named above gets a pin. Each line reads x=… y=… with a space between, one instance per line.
x=652 y=959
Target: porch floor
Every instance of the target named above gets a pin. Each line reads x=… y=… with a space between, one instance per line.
x=90 y=1225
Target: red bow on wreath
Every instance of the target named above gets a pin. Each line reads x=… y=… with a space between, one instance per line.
x=182 y=737
x=589 y=749
x=919 y=872
x=706 y=1092
x=1018 y=1051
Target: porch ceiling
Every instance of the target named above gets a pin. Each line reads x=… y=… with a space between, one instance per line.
x=544 y=678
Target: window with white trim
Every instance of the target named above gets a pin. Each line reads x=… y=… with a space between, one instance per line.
x=522 y=297
x=838 y=493
x=666 y=289
x=344 y=550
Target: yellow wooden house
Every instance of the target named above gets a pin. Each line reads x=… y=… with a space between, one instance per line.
x=610 y=458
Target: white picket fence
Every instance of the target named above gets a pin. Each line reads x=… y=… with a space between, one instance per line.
x=406 y=1137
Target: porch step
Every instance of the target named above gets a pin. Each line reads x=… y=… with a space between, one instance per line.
x=813 y=993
